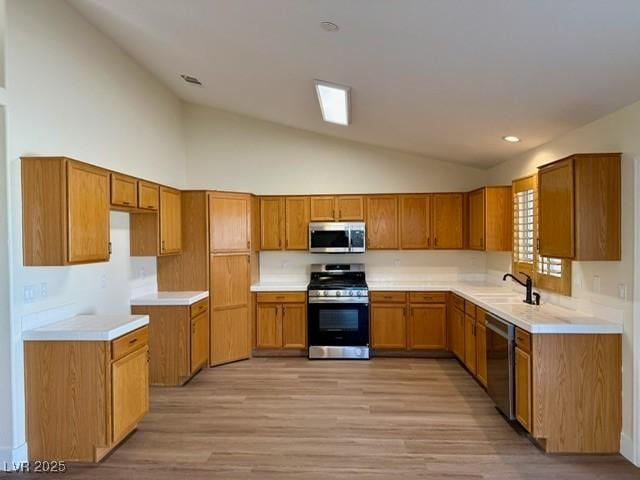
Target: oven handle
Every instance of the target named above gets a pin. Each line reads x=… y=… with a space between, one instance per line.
x=341 y=300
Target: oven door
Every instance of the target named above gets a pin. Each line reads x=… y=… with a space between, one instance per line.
x=338 y=323
x=328 y=238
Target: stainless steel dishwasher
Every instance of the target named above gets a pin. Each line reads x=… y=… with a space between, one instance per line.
x=501 y=364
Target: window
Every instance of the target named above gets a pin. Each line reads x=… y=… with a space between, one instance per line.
x=548 y=273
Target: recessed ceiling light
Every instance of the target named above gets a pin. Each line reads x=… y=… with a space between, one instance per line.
x=190 y=79
x=511 y=139
x=335 y=102
x=329 y=26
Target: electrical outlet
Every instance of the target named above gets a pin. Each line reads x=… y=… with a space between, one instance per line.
x=103 y=281
x=596 y=284
x=622 y=291
x=44 y=290
x=28 y=294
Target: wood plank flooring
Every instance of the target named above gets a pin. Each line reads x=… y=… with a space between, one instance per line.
x=290 y=418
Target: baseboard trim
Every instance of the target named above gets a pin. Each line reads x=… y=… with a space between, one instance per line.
x=10 y=455
x=627 y=449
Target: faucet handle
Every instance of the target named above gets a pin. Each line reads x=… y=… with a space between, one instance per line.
x=536 y=297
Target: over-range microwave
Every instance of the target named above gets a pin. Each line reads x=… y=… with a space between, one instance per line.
x=336 y=237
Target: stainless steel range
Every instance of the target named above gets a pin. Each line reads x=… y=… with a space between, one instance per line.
x=338 y=312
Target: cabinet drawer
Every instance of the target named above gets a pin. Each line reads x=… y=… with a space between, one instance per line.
x=469 y=309
x=523 y=340
x=458 y=302
x=394 y=297
x=427 y=297
x=282 y=297
x=199 y=307
x=129 y=342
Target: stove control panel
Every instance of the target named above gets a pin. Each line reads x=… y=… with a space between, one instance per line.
x=339 y=293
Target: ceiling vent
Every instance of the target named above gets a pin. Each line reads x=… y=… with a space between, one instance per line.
x=192 y=80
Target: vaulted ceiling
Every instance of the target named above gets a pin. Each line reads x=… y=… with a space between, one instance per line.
x=443 y=78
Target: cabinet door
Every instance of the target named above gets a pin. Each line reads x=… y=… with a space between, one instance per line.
x=447 y=220
x=350 y=208
x=388 y=326
x=88 y=213
x=130 y=392
x=230 y=335
x=427 y=327
x=556 y=210
x=229 y=222
x=229 y=280
x=199 y=341
x=415 y=225
x=470 y=343
x=476 y=220
x=457 y=333
x=523 y=388
x=481 y=351
x=297 y=223
x=124 y=191
x=170 y=221
x=294 y=325
x=271 y=223
x=148 y=196
x=323 y=209
x=269 y=326
x=382 y=222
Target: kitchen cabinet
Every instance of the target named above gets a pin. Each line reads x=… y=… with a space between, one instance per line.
x=490 y=219
x=470 y=343
x=447 y=221
x=272 y=212
x=296 y=231
x=148 y=196
x=415 y=222
x=124 y=191
x=457 y=327
x=579 y=201
x=229 y=223
x=481 y=347
x=342 y=208
x=281 y=320
x=382 y=222
x=65 y=206
x=178 y=341
x=230 y=318
x=523 y=378
x=388 y=326
x=170 y=221
x=101 y=393
x=427 y=328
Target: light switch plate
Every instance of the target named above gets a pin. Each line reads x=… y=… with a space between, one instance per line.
x=596 y=284
x=622 y=291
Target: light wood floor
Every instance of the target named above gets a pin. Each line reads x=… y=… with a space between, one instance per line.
x=293 y=418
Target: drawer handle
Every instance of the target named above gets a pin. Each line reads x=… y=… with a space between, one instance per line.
x=279 y=297
x=126 y=203
x=151 y=206
x=131 y=342
x=387 y=297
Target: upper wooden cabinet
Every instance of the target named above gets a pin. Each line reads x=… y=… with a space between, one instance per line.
x=229 y=223
x=579 y=207
x=65 y=212
x=447 y=220
x=124 y=191
x=491 y=219
x=382 y=222
x=148 y=195
x=272 y=211
x=328 y=208
x=415 y=221
x=170 y=221
x=284 y=223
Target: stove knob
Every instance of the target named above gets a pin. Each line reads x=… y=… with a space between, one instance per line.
x=338 y=293
x=351 y=293
x=321 y=293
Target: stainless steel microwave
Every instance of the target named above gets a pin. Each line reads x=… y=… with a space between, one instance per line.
x=336 y=237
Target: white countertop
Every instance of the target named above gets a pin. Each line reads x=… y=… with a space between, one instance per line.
x=498 y=300
x=169 y=298
x=88 y=328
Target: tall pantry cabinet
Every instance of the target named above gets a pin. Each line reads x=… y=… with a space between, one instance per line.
x=220 y=255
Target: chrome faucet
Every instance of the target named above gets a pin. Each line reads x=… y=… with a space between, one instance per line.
x=531 y=295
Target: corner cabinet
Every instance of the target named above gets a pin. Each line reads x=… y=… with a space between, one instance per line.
x=156 y=228
x=490 y=219
x=101 y=393
x=579 y=207
x=65 y=205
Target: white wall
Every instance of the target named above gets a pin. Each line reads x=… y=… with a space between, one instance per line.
x=618 y=132
x=227 y=151
x=73 y=92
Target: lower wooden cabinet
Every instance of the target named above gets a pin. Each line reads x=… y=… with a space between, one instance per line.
x=481 y=347
x=457 y=330
x=470 y=343
x=281 y=320
x=427 y=327
x=230 y=335
x=388 y=326
x=84 y=397
x=178 y=341
x=523 y=388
